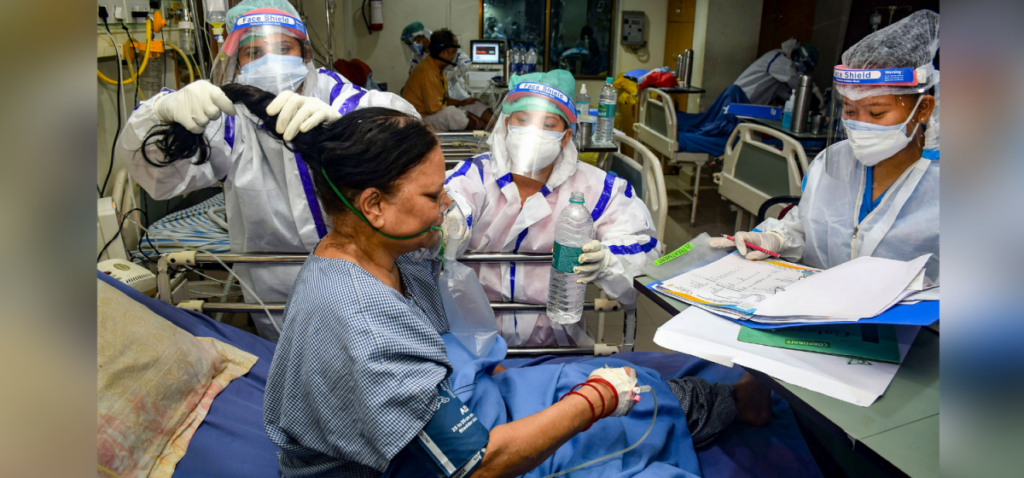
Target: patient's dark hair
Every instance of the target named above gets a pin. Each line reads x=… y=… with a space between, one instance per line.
x=367 y=148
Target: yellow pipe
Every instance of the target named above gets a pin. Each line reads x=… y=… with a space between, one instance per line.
x=145 y=57
x=191 y=76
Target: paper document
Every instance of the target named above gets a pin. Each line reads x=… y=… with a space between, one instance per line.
x=861 y=288
x=734 y=283
x=702 y=334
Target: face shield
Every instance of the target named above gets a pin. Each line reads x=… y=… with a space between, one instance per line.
x=535 y=133
x=876 y=112
x=266 y=49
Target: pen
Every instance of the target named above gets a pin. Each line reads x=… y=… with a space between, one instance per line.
x=766 y=251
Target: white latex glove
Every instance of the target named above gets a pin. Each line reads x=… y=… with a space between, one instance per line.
x=593 y=261
x=455 y=229
x=193 y=106
x=300 y=113
x=625 y=385
x=771 y=241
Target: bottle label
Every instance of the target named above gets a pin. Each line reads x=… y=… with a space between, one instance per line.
x=606 y=110
x=582 y=109
x=566 y=258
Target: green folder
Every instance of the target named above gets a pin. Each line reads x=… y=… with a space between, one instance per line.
x=866 y=341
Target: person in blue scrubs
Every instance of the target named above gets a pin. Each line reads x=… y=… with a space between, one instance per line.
x=876 y=192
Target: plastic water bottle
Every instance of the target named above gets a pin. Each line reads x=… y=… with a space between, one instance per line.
x=787 y=112
x=606 y=114
x=513 y=60
x=531 y=61
x=583 y=102
x=573 y=230
x=520 y=58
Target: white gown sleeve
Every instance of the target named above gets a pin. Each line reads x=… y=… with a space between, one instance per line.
x=180 y=177
x=468 y=192
x=791 y=228
x=627 y=230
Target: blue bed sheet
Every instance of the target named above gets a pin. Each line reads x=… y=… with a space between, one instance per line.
x=708 y=132
x=232 y=441
x=778 y=449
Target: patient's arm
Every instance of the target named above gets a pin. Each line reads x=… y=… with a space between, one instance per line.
x=520 y=446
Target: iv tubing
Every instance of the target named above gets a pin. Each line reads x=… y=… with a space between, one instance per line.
x=641 y=440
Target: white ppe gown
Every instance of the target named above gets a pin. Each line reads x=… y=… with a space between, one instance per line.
x=269 y=195
x=824 y=230
x=771 y=77
x=500 y=221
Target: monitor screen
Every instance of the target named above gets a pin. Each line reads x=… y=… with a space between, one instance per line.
x=486 y=52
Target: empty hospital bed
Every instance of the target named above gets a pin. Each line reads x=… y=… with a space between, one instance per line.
x=686 y=138
x=231 y=441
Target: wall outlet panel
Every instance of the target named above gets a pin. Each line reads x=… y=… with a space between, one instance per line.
x=634 y=26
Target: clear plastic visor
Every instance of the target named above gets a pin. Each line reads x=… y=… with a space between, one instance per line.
x=269 y=51
x=874 y=120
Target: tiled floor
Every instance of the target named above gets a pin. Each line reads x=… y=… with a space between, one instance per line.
x=713 y=217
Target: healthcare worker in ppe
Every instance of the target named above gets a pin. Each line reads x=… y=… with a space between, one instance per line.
x=771 y=79
x=268 y=192
x=511 y=198
x=458 y=87
x=876 y=193
x=417 y=38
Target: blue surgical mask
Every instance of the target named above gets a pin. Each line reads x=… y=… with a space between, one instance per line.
x=416 y=48
x=274 y=73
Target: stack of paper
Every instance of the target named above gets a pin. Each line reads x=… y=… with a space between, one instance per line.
x=733 y=286
x=778 y=292
x=858 y=381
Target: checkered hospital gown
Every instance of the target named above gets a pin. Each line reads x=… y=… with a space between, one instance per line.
x=356 y=370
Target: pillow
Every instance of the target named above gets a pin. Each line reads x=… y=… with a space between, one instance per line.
x=155 y=384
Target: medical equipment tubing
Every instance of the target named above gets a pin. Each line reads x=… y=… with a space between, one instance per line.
x=645 y=388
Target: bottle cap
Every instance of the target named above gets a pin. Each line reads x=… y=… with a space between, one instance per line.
x=608 y=80
x=583 y=88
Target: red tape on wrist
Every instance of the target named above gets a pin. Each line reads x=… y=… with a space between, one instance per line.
x=615 y=393
x=602 y=415
x=593 y=413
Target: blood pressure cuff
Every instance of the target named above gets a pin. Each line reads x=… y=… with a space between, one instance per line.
x=451 y=445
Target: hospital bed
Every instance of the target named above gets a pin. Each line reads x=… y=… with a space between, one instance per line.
x=755 y=172
x=231 y=441
x=177 y=292
x=457 y=146
x=646 y=177
x=658 y=129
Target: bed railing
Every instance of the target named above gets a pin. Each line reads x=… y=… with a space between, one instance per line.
x=601 y=306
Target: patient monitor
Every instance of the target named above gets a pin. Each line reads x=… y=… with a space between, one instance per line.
x=487 y=59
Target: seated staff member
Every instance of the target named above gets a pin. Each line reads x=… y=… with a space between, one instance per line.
x=267 y=193
x=877 y=192
x=511 y=198
x=367 y=380
x=427 y=89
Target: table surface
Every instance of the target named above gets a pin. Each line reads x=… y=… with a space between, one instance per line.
x=777 y=125
x=901 y=427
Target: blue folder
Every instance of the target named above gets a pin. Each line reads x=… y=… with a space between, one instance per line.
x=922 y=313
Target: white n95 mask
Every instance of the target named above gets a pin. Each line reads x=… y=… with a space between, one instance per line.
x=274 y=73
x=874 y=143
x=531 y=149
